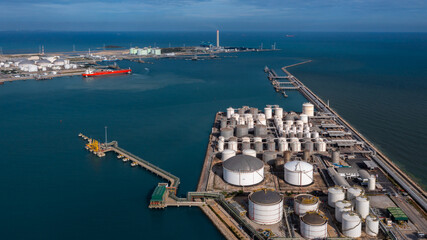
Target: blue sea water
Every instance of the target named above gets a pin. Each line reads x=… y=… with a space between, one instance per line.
x=54 y=189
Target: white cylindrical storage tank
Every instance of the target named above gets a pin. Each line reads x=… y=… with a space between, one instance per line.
x=351 y=225
x=221 y=143
x=314 y=225
x=372 y=225
x=268 y=112
x=354 y=192
x=260 y=130
x=243 y=170
x=241 y=130
x=227 y=153
x=299 y=173
x=232 y=143
x=304 y=203
x=289 y=123
x=314 y=135
x=340 y=207
x=371 y=183
x=308 y=109
x=249 y=152
x=227 y=132
x=321 y=146
x=250 y=123
x=278 y=112
x=362 y=206
x=335 y=194
x=303 y=117
x=265 y=207
x=283 y=145
x=230 y=112
x=295 y=146
x=268 y=156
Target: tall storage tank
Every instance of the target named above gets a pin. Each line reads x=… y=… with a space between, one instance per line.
x=268 y=112
x=372 y=225
x=269 y=156
x=304 y=203
x=308 y=109
x=232 y=143
x=230 y=112
x=260 y=130
x=278 y=112
x=246 y=143
x=354 y=192
x=265 y=207
x=241 y=130
x=362 y=206
x=341 y=207
x=351 y=224
x=227 y=153
x=249 y=152
x=298 y=173
x=371 y=183
x=335 y=194
x=221 y=143
x=226 y=133
x=314 y=225
x=243 y=170
x=303 y=117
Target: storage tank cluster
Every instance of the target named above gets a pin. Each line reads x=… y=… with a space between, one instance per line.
x=352 y=211
x=265 y=207
x=243 y=170
x=295 y=133
x=314 y=225
x=304 y=203
x=298 y=173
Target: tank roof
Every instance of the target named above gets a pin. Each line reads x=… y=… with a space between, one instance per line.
x=243 y=163
x=299 y=166
x=265 y=197
x=306 y=199
x=314 y=218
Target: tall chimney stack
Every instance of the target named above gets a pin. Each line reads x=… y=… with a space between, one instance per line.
x=217 y=38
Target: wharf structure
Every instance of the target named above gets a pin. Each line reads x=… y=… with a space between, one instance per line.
x=276 y=174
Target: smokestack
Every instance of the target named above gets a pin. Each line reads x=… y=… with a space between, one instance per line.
x=217 y=38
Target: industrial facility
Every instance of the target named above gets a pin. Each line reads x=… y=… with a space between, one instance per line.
x=297 y=174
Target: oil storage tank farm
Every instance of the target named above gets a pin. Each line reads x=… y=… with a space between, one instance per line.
x=243 y=170
x=265 y=207
x=314 y=225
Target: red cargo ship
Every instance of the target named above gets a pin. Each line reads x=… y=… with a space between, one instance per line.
x=90 y=73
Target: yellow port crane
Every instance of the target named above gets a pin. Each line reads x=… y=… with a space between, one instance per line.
x=94 y=145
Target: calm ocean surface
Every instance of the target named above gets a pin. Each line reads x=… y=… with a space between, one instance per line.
x=54 y=189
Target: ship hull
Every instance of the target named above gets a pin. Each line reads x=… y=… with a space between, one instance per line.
x=128 y=71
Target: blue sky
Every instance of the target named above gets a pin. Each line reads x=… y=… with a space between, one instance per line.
x=231 y=15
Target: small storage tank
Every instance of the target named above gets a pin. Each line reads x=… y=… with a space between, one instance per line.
x=243 y=170
x=279 y=162
x=372 y=225
x=303 y=118
x=308 y=109
x=230 y=112
x=340 y=207
x=336 y=157
x=362 y=206
x=320 y=146
x=314 y=135
x=308 y=145
x=299 y=173
x=268 y=156
x=226 y=133
x=241 y=130
x=335 y=194
x=304 y=203
x=260 y=130
x=258 y=146
x=354 y=192
x=249 y=152
x=314 y=225
x=278 y=112
x=268 y=112
x=232 y=143
x=246 y=143
x=271 y=145
x=295 y=146
x=265 y=207
x=221 y=143
x=371 y=183
x=254 y=111
x=227 y=153
x=306 y=155
x=351 y=225
x=223 y=122
x=283 y=145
